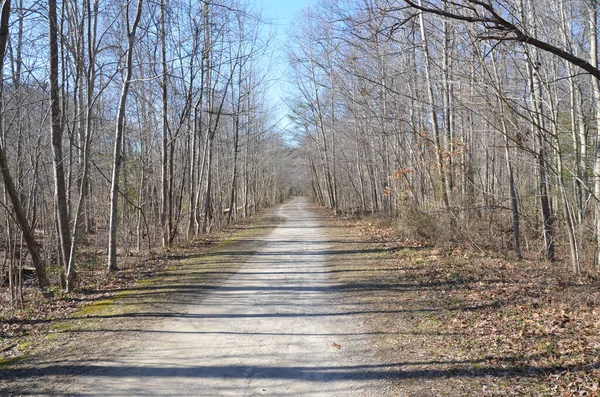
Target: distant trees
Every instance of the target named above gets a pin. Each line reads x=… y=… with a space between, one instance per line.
x=476 y=115
x=146 y=121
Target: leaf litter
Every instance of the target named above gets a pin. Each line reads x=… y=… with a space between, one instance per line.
x=470 y=323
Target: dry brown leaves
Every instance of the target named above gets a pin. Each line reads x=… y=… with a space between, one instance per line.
x=525 y=319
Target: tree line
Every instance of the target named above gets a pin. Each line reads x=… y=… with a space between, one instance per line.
x=136 y=122
x=474 y=119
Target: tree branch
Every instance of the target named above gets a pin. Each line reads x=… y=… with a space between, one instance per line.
x=510 y=32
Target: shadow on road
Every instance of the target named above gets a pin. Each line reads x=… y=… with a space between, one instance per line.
x=400 y=370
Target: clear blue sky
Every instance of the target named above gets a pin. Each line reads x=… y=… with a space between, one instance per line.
x=281 y=12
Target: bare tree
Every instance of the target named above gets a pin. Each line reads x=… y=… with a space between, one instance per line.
x=120 y=130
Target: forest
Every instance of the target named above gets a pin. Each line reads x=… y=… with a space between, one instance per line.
x=471 y=122
x=139 y=125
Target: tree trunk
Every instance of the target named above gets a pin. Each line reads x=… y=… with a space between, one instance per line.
x=593 y=22
x=434 y=116
x=60 y=194
x=119 y=131
x=165 y=192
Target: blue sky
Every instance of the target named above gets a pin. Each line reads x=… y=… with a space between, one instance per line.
x=281 y=12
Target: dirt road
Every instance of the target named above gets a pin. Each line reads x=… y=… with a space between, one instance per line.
x=275 y=328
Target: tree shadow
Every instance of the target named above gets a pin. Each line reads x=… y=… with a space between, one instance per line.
x=319 y=373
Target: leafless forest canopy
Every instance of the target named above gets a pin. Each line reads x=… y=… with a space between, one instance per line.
x=139 y=124
x=470 y=121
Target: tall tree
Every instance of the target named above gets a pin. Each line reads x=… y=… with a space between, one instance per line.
x=131 y=26
x=60 y=192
